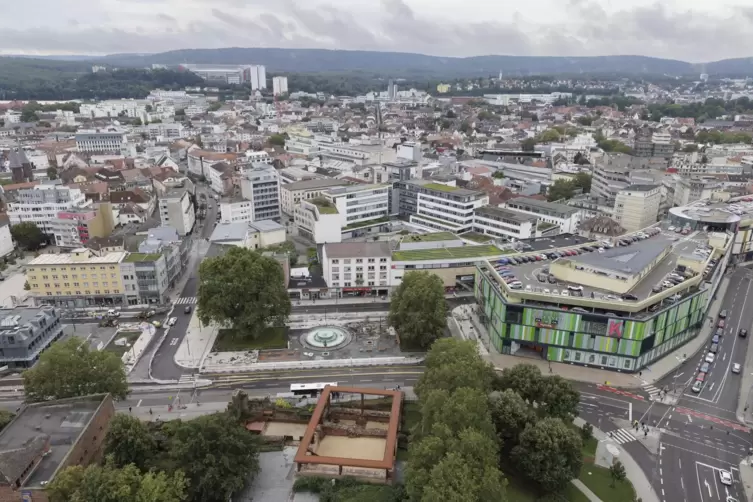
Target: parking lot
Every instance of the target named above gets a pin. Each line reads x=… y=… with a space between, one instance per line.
x=533 y=274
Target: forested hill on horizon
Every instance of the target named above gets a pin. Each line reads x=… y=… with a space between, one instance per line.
x=407 y=64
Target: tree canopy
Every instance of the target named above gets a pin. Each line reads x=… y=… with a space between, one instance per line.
x=418 y=310
x=452 y=364
x=70 y=369
x=109 y=483
x=277 y=140
x=560 y=189
x=129 y=441
x=244 y=290
x=27 y=235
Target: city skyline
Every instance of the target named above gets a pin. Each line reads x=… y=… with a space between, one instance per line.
x=539 y=28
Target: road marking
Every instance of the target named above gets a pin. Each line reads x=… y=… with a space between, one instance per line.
x=690 y=420
x=708 y=487
x=682 y=484
x=174 y=341
x=139 y=403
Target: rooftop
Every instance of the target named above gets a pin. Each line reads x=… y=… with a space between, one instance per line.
x=541 y=206
x=440 y=187
x=454 y=253
x=57 y=423
x=356 y=188
x=357 y=249
x=630 y=260
x=431 y=237
x=505 y=214
x=313 y=184
x=141 y=257
x=324 y=205
x=72 y=259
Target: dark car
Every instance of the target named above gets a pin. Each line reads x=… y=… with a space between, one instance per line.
x=630 y=297
x=187 y=310
x=743 y=333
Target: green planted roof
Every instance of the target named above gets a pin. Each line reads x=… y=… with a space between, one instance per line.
x=452 y=253
x=440 y=187
x=432 y=237
x=136 y=257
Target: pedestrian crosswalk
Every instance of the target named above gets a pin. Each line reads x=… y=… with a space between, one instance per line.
x=186 y=300
x=653 y=392
x=187 y=379
x=622 y=436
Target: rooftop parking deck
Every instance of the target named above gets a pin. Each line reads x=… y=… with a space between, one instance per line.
x=535 y=277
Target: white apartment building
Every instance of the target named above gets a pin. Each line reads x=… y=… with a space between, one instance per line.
x=302 y=142
x=437 y=206
x=357 y=267
x=106 y=140
x=236 y=211
x=505 y=224
x=176 y=210
x=279 y=85
x=113 y=108
x=258 y=75
x=318 y=220
x=692 y=188
x=637 y=206
x=564 y=216
x=42 y=203
x=164 y=131
x=260 y=157
x=293 y=193
x=359 y=204
x=6 y=241
x=261 y=186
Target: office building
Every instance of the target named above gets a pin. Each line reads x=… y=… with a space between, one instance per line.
x=25 y=332
x=648 y=144
x=78 y=279
x=692 y=188
x=45 y=438
x=74 y=228
x=19 y=165
x=357 y=267
x=166 y=241
x=6 y=240
x=176 y=210
x=637 y=207
x=360 y=205
x=256 y=75
x=565 y=217
x=318 y=220
x=437 y=206
x=110 y=139
x=145 y=278
x=279 y=85
x=499 y=223
x=261 y=186
x=292 y=193
x=42 y=203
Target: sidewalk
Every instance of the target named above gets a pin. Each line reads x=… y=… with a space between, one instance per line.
x=746 y=479
x=196 y=343
x=635 y=474
x=182 y=412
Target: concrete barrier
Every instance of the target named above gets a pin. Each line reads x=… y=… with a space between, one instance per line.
x=332 y=363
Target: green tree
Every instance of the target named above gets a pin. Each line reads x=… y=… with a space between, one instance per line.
x=549 y=454
x=418 y=310
x=527 y=145
x=690 y=148
x=129 y=441
x=585 y=120
x=617 y=472
x=450 y=114
x=587 y=431
x=581 y=159
x=214 y=106
x=137 y=122
x=558 y=398
x=276 y=140
x=70 y=369
x=560 y=189
x=52 y=173
x=498 y=175
x=523 y=379
x=452 y=364
x=5 y=418
x=27 y=235
x=510 y=414
x=216 y=454
x=548 y=136
x=582 y=180
x=462 y=409
x=28 y=115
x=243 y=289
x=455 y=479
x=110 y=484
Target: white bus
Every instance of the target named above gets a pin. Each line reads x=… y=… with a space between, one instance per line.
x=310 y=389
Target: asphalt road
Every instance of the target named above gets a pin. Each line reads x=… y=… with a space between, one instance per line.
x=701 y=432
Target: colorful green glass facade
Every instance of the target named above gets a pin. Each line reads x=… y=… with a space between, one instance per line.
x=590 y=339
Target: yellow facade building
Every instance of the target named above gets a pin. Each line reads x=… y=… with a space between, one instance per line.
x=78 y=279
x=443 y=88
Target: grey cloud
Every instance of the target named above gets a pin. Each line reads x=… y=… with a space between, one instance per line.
x=652 y=30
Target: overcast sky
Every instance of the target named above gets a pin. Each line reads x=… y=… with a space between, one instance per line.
x=691 y=30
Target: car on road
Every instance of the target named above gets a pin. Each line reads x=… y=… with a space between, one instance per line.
x=725 y=477
x=157 y=324
x=743 y=333
x=187 y=310
x=723 y=314
x=736 y=368
x=172 y=321
x=710 y=358
x=715 y=339
x=671 y=229
x=704 y=368
x=721 y=323
x=697 y=386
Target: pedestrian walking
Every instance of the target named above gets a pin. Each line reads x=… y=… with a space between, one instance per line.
x=150 y=411
x=130 y=409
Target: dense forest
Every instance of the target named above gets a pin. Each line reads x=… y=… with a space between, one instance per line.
x=707 y=110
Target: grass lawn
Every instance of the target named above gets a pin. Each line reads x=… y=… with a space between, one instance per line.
x=272 y=338
x=130 y=336
x=519 y=491
x=600 y=482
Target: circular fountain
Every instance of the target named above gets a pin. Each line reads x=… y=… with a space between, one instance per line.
x=326 y=337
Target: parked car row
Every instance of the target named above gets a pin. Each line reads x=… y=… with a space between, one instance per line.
x=680 y=230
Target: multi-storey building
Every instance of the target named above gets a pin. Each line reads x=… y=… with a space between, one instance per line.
x=292 y=193
x=164 y=131
x=261 y=186
x=437 y=206
x=105 y=140
x=360 y=205
x=692 y=188
x=357 y=267
x=256 y=75
x=176 y=210
x=500 y=223
x=42 y=203
x=114 y=108
x=236 y=210
x=145 y=278
x=74 y=228
x=6 y=240
x=26 y=332
x=78 y=279
x=637 y=206
x=564 y=216
x=165 y=240
x=221 y=177
x=279 y=85
x=318 y=220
